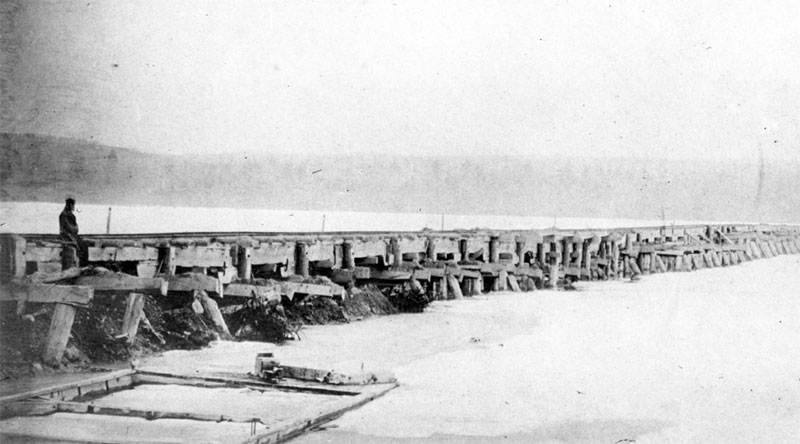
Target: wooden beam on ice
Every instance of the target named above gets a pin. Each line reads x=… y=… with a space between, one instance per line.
x=121 y=282
x=79 y=296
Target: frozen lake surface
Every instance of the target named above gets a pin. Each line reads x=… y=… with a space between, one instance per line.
x=707 y=356
x=39 y=217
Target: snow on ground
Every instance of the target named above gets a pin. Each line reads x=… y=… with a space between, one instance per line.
x=707 y=356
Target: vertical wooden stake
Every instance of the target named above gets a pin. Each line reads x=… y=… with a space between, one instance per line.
x=167 y=257
x=430 y=250
x=212 y=310
x=397 y=254
x=453 y=286
x=463 y=249
x=502 y=280
x=301 y=259
x=521 y=252
x=494 y=252
x=245 y=267
x=58 y=335
x=348 y=260
x=133 y=313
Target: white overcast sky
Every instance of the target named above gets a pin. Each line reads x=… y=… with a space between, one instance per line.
x=697 y=79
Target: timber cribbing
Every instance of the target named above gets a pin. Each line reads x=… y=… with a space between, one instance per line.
x=272 y=267
x=480 y=254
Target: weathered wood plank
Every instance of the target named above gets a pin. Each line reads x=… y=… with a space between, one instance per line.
x=58 y=335
x=133 y=314
x=124 y=283
x=270 y=293
x=48 y=293
x=199 y=256
x=45 y=407
x=122 y=254
x=57 y=390
x=36 y=253
x=195 y=281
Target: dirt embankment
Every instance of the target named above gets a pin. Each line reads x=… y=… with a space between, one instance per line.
x=171 y=323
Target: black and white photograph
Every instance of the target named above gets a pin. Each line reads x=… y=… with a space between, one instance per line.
x=399 y=221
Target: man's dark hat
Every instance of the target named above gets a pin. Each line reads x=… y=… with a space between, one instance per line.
x=70 y=200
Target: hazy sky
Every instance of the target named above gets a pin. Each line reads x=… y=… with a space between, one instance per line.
x=706 y=79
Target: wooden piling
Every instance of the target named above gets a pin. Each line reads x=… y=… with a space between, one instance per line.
x=615 y=258
x=540 y=258
x=520 y=250
x=494 y=252
x=430 y=249
x=348 y=260
x=463 y=249
x=453 y=287
x=58 y=335
x=397 y=253
x=134 y=308
x=566 y=252
x=167 y=258
x=502 y=280
x=13 y=260
x=244 y=265
x=212 y=310
x=301 y=259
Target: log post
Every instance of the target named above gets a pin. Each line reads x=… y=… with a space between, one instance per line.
x=134 y=309
x=348 y=260
x=566 y=252
x=463 y=249
x=453 y=286
x=69 y=257
x=212 y=310
x=301 y=259
x=167 y=258
x=615 y=258
x=58 y=335
x=245 y=267
x=520 y=252
x=540 y=253
x=494 y=252
x=430 y=250
x=502 y=280
x=579 y=248
x=397 y=254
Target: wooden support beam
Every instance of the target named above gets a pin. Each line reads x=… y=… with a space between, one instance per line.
x=520 y=251
x=453 y=287
x=501 y=283
x=134 y=308
x=430 y=250
x=244 y=265
x=269 y=293
x=301 y=259
x=58 y=335
x=397 y=253
x=193 y=281
x=212 y=310
x=660 y=267
x=494 y=250
x=75 y=295
x=47 y=407
x=166 y=256
x=512 y=283
x=463 y=249
x=120 y=282
x=348 y=260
